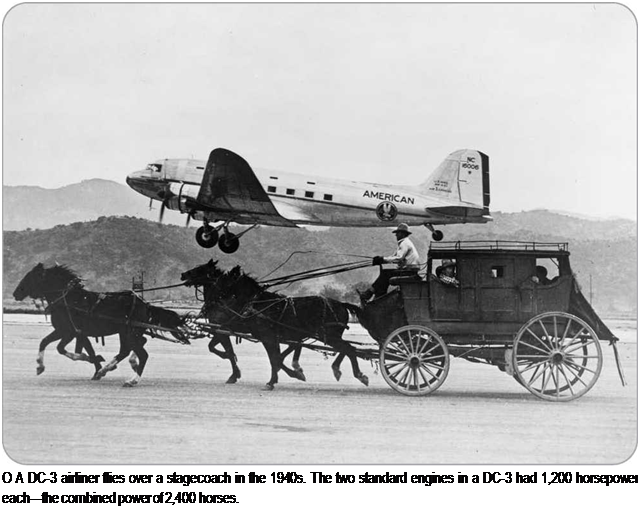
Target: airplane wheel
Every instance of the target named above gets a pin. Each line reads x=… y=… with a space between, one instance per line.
x=437 y=235
x=207 y=237
x=229 y=243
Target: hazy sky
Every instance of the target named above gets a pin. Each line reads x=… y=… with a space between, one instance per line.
x=365 y=92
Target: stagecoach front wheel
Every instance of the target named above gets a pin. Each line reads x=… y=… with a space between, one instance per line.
x=414 y=360
x=557 y=356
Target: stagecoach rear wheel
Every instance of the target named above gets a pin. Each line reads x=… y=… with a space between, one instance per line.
x=557 y=356
x=229 y=243
x=414 y=360
x=206 y=237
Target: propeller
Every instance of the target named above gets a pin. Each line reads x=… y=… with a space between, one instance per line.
x=165 y=195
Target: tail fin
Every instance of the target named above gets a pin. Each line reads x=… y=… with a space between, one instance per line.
x=462 y=177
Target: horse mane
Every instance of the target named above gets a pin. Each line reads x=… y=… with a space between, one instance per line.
x=238 y=275
x=65 y=274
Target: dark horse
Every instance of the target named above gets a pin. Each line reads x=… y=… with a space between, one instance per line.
x=79 y=313
x=274 y=318
x=207 y=276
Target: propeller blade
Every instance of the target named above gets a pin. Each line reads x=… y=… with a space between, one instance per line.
x=162 y=208
x=188 y=219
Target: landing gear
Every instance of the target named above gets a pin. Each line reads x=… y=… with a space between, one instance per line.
x=437 y=235
x=207 y=236
x=229 y=243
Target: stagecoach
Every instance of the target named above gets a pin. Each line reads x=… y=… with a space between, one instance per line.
x=532 y=323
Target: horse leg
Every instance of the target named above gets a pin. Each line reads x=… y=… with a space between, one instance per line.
x=346 y=349
x=71 y=355
x=125 y=349
x=228 y=353
x=50 y=338
x=273 y=351
x=143 y=356
x=295 y=365
x=297 y=372
x=82 y=342
x=335 y=366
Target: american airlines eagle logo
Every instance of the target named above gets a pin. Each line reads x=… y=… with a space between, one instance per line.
x=386 y=211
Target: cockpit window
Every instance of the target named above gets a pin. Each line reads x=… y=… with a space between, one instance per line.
x=154 y=167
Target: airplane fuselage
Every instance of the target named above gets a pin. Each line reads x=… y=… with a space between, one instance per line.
x=303 y=200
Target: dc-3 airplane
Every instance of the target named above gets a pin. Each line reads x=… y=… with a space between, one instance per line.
x=226 y=189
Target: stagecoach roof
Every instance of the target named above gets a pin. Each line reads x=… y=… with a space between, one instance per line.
x=450 y=248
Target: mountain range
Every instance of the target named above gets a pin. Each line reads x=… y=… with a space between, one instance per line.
x=107 y=234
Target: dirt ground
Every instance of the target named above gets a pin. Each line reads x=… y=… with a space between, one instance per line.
x=183 y=413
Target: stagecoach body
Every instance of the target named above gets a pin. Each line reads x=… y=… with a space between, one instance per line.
x=541 y=331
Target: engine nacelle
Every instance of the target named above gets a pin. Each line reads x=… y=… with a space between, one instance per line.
x=181 y=196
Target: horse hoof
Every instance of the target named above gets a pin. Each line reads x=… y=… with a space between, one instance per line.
x=39 y=370
x=299 y=374
x=99 y=359
x=269 y=387
x=363 y=379
x=96 y=377
x=232 y=380
x=337 y=374
x=130 y=384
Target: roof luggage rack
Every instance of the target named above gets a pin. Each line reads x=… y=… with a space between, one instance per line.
x=497 y=246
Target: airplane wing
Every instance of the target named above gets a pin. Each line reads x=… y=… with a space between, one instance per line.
x=231 y=188
x=293 y=213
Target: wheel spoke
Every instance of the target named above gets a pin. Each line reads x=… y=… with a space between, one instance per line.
x=533 y=377
x=394 y=374
x=545 y=379
x=546 y=333
x=579 y=368
x=534 y=347
x=592 y=341
x=577 y=376
x=407 y=350
x=575 y=339
x=567 y=379
x=542 y=373
x=532 y=365
x=564 y=334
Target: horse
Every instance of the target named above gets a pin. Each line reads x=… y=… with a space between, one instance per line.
x=206 y=276
x=78 y=313
x=275 y=318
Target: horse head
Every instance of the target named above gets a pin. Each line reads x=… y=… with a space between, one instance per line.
x=31 y=284
x=232 y=291
x=202 y=274
x=41 y=281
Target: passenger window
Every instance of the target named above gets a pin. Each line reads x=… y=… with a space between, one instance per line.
x=308 y=194
x=271 y=189
x=497 y=272
x=547 y=270
x=291 y=191
x=328 y=197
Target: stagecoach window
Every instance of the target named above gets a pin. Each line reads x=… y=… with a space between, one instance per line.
x=154 y=168
x=308 y=194
x=497 y=272
x=328 y=197
x=271 y=189
x=291 y=191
